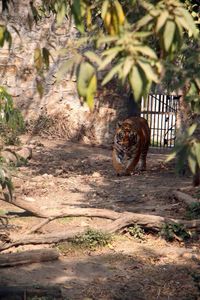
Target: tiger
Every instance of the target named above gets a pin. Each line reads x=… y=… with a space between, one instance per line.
x=131 y=143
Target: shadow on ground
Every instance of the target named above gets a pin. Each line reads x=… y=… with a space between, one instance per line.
x=72 y=174
x=115 y=276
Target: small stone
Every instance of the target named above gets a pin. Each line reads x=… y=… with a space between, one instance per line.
x=96 y=174
x=25 y=153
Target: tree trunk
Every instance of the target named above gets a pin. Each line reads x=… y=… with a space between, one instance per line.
x=29 y=292
x=27 y=257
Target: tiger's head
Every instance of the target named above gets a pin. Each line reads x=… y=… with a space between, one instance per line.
x=125 y=135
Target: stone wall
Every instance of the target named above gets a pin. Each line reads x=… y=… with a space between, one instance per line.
x=60 y=111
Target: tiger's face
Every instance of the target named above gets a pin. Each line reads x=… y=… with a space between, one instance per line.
x=125 y=136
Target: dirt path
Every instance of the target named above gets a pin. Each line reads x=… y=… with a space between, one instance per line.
x=63 y=174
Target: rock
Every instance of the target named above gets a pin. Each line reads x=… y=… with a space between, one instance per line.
x=9 y=156
x=96 y=174
x=25 y=153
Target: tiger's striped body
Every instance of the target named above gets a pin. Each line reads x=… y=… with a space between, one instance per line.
x=131 y=143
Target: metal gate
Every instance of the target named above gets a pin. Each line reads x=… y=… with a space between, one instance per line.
x=161 y=113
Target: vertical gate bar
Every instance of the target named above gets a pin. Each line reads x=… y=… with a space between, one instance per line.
x=177 y=107
x=163 y=124
x=156 y=120
x=147 y=109
x=165 y=118
x=161 y=133
x=158 y=125
x=171 y=118
x=154 y=105
x=172 y=131
x=173 y=123
x=169 y=125
x=151 y=122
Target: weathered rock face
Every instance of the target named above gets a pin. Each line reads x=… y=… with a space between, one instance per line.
x=60 y=111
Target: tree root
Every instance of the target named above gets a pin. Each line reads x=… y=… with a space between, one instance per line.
x=119 y=222
x=27 y=257
x=187 y=199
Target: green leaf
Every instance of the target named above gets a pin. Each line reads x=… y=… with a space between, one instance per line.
x=116 y=69
x=145 y=50
x=77 y=12
x=144 y=21
x=106 y=40
x=142 y=34
x=191 y=129
x=192 y=163
x=68 y=67
x=112 y=50
x=179 y=35
x=188 y=18
x=197 y=152
x=61 y=12
x=38 y=63
x=8 y=38
x=91 y=90
x=104 y=9
x=45 y=55
x=182 y=22
x=128 y=63
x=65 y=68
x=171 y=156
x=148 y=70
x=162 y=20
x=168 y=34
x=40 y=88
x=85 y=74
x=2 y=175
x=109 y=58
x=2 y=30
x=93 y=57
x=136 y=82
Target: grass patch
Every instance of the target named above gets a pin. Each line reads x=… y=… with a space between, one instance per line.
x=170 y=232
x=90 y=240
x=193 y=211
x=136 y=231
x=65 y=220
x=3 y=212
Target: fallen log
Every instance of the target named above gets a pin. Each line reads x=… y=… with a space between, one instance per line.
x=51 y=238
x=34 y=210
x=120 y=221
x=28 y=257
x=149 y=222
x=27 y=292
x=187 y=199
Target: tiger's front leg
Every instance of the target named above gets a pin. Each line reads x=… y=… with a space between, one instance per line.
x=134 y=157
x=118 y=163
x=131 y=165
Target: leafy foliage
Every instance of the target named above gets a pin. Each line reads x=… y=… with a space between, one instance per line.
x=193 y=211
x=130 y=46
x=11 y=120
x=141 y=43
x=187 y=148
x=91 y=239
x=171 y=231
x=137 y=232
x=11 y=124
x=5 y=36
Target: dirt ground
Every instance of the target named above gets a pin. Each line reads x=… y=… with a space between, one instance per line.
x=63 y=174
